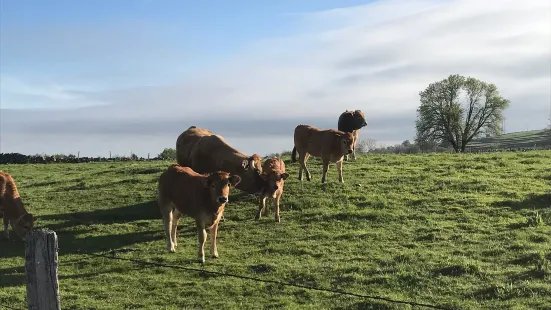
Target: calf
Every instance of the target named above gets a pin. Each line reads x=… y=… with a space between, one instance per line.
x=330 y=144
x=352 y=121
x=182 y=191
x=273 y=173
x=12 y=209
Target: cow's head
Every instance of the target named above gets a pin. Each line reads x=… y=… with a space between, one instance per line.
x=23 y=224
x=272 y=182
x=359 y=119
x=346 y=142
x=218 y=184
x=252 y=169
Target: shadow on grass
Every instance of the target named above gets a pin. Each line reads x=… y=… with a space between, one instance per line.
x=142 y=211
x=532 y=202
x=14 y=276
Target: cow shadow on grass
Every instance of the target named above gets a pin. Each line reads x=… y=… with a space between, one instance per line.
x=127 y=214
x=68 y=226
x=532 y=202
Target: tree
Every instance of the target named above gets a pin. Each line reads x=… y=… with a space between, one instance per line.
x=366 y=145
x=458 y=109
x=168 y=154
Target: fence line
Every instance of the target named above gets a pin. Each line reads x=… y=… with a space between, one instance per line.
x=203 y=271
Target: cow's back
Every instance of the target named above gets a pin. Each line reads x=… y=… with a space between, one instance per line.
x=212 y=153
x=185 y=143
x=346 y=122
x=180 y=186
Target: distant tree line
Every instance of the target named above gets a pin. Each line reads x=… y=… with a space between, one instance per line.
x=18 y=158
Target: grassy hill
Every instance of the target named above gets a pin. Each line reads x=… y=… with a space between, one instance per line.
x=522 y=139
x=466 y=231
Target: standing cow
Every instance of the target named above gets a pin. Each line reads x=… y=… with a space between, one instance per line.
x=273 y=172
x=330 y=144
x=12 y=209
x=182 y=191
x=206 y=152
x=352 y=121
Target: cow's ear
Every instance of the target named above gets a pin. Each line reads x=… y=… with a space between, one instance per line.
x=206 y=182
x=234 y=180
x=252 y=162
x=245 y=164
x=284 y=175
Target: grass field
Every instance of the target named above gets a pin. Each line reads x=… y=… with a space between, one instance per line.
x=522 y=139
x=464 y=231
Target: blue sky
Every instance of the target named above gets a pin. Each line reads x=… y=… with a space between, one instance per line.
x=132 y=75
x=67 y=39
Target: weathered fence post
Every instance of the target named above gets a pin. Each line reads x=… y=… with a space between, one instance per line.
x=41 y=270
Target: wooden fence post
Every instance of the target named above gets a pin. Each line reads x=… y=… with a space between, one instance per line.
x=41 y=270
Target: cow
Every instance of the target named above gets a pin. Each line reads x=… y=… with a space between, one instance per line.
x=273 y=172
x=185 y=142
x=182 y=191
x=12 y=209
x=352 y=121
x=330 y=144
x=206 y=152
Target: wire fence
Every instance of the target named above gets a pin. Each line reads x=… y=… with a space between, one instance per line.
x=202 y=270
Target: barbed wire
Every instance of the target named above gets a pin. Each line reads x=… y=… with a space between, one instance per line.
x=202 y=270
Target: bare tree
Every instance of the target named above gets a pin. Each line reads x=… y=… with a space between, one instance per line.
x=444 y=118
x=366 y=145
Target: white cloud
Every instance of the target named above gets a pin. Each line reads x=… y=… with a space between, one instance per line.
x=375 y=57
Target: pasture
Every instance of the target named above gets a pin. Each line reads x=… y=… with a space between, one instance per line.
x=522 y=139
x=462 y=231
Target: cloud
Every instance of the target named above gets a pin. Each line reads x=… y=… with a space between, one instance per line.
x=375 y=57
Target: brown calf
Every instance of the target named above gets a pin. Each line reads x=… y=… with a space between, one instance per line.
x=212 y=153
x=352 y=121
x=12 y=209
x=273 y=172
x=182 y=191
x=330 y=144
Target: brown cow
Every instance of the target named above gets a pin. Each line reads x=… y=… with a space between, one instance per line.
x=12 y=209
x=185 y=142
x=182 y=191
x=330 y=144
x=212 y=153
x=273 y=172
x=352 y=121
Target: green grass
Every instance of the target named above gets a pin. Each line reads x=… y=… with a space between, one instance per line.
x=522 y=139
x=466 y=231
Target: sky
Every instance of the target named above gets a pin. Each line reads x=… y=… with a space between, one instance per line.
x=129 y=76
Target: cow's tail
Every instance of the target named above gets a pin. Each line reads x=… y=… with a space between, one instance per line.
x=294 y=154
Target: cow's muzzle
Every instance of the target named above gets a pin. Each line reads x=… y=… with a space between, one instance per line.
x=222 y=199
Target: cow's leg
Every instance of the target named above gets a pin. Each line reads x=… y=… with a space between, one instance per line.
x=261 y=206
x=324 y=173
x=6 y=224
x=308 y=175
x=202 y=234
x=276 y=207
x=339 y=169
x=355 y=142
x=175 y=219
x=213 y=233
x=166 y=211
